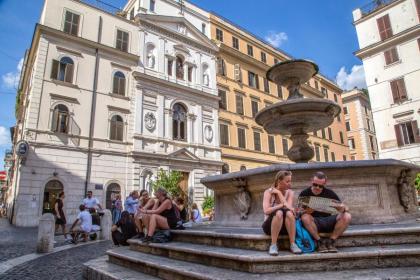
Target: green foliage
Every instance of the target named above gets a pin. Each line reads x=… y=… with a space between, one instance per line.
x=417 y=182
x=208 y=203
x=169 y=181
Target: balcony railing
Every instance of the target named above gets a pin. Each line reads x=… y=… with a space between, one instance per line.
x=102 y=5
x=375 y=5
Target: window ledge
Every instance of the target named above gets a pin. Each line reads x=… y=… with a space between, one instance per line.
x=119 y=96
x=59 y=82
x=401 y=102
x=392 y=64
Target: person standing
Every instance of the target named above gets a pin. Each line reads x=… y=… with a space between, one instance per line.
x=90 y=202
x=316 y=222
x=117 y=209
x=132 y=202
x=60 y=218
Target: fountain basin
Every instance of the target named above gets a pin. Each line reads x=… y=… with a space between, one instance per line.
x=298 y=116
x=292 y=70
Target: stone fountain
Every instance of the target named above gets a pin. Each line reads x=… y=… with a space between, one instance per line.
x=378 y=191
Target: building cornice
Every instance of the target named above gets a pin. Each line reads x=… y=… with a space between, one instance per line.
x=253 y=159
x=396 y=39
x=169 y=158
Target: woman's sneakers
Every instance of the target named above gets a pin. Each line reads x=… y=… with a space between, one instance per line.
x=295 y=249
x=273 y=251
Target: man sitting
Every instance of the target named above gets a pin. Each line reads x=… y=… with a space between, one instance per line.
x=316 y=222
x=85 y=225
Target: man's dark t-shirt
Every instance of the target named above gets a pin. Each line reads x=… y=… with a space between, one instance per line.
x=128 y=229
x=327 y=193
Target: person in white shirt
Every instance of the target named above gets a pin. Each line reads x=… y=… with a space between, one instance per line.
x=91 y=202
x=85 y=224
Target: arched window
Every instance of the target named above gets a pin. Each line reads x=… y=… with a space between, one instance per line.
x=179 y=68
x=63 y=70
x=243 y=167
x=179 y=122
x=225 y=168
x=60 y=121
x=119 y=83
x=117 y=128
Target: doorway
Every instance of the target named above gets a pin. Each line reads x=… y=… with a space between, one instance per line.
x=111 y=193
x=183 y=184
x=52 y=189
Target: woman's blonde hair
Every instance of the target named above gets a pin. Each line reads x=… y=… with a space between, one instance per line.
x=281 y=175
x=194 y=206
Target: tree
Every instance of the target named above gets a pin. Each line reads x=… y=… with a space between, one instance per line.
x=417 y=183
x=208 y=203
x=169 y=180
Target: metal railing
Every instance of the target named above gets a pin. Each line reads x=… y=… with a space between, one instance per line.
x=103 y=6
x=374 y=5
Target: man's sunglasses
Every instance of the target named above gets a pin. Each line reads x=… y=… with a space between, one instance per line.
x=318 y=186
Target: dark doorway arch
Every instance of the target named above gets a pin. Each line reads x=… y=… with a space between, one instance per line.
x=111 y=191
x=51 y=191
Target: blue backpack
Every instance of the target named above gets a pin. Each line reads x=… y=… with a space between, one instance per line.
x=303 y=238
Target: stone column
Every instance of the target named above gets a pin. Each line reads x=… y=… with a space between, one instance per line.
x=46 y=230
x=106 y=223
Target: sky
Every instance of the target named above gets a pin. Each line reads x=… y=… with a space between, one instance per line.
x=321 y=31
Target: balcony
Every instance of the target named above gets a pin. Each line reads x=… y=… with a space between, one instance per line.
x=374 y=6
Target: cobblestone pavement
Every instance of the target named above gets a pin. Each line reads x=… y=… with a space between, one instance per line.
x=62 y=265
x=19 y=241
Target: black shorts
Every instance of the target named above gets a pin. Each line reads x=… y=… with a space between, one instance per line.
x=60 y=221
x=266 y=226
x=325 y=224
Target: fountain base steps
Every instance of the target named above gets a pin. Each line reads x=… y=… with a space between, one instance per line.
x=255 y=239
x=124 y=263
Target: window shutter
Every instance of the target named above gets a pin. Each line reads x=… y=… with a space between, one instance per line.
x=418 y=8
x=257 y=82
x=388 y=59
x=238 y=73
x=122 y=86
x=69 y=73
x=115 y=85
x=398 y=135
x=384 y=26
x=54 y=120
x=75 y=25
x=401 y=89
x=54 y=69
x=416 y=131
x=394 y=89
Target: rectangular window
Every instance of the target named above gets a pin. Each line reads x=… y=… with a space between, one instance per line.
x=384 y=27
x=332 y=156
x=326 y=154
x=219 y=35
x=344 y=158
x=324 y=91
x=263 y=57
x=224 y=134
x=266 y=85
x=235 y=43
x=190 y=73
x=330 y=134
x=132 y=14
x=71 y=23
x=399 y=92
x=372 y=145
x=351 y=143
x=368 y=124
x=285 y=146
x=279 y=91
x=253 y=80
x=170 y=64
x=257 y=141
x=316 y=85
x=317 y=153
x=241 y=138
x=271 y=145
x=223 y=99
x=122 y=41
x=346 y=112
x=276 y=61
x=391 y=56
x=407 y=133
x=348 y=128
x=254 y=107
x=203 y=28
x=250 y=50
x=341 y=137
x=323 y=133
x=152 y=5
x=335 y=97
x=221 y=68
x=237 y=73
x=239 y=104
x=418 y=8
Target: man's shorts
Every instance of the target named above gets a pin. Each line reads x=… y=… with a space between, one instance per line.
x=325 y=224
x=81 y=229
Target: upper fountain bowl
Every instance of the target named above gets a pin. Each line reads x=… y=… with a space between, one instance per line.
x=297 y=70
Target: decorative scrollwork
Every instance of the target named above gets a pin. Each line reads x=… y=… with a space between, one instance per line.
x=242 y=201
x=150 y=121
x=406 y=192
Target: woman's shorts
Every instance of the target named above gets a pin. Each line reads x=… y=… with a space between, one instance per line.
x=266 y=226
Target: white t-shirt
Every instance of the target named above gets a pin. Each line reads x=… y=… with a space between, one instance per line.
x=90 y=202
x=85 y=221
x=197 y=216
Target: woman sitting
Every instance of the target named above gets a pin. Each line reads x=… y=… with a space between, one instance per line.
x=195 y=214
x=162 y=216
x=179 y=202
x=146 y=203
x=279 y=213
x=127 y=229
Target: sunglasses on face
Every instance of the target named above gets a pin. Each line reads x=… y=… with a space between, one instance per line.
x=318 y=186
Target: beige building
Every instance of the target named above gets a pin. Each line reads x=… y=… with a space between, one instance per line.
x=359 y=125
x=243 y=90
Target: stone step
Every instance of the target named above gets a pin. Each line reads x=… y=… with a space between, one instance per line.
x=102 y=269
x=260 y=262
x=255 y=239
x=170 y=269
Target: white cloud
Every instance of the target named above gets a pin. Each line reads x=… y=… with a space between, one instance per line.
x=11 y=79
x=276 y=38
x=356 y=78
x=4 y=136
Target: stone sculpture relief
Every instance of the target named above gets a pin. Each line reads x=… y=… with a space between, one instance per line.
x=208 y=133
x=405 y=190
x=150 y=60
x=242 y=201
x=150 y=121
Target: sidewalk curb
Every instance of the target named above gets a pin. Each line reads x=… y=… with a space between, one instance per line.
x=9 y=264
